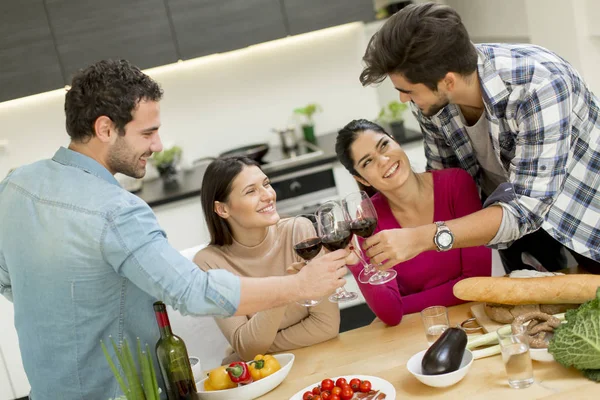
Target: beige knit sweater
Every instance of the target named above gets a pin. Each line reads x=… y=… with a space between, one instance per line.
x=278 y=329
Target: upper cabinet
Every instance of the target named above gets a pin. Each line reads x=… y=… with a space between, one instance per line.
x=44 y=42
x=211 y=26
x=28 y=60
x=310 y=15
x=90 y=30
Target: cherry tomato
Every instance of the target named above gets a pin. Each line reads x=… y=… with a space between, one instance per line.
x=355 y=384
x=317 y=397
x=327 y=384
x=325 y=395
x=334 y=397
x=316 y=390
x=365 y=386
x=341 y=382
x=347 y=393
x=336 y=391
x=308 y=396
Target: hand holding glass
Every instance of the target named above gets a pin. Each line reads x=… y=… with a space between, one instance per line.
x=307 y=244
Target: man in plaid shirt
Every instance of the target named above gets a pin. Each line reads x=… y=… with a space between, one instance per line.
x=518 y=118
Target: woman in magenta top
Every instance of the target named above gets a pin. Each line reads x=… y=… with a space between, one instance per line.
x=406 y=199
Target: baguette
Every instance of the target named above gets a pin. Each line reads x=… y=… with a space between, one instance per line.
x=560 y=289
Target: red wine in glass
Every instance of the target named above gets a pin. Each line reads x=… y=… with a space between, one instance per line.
x=308 y=248
x=363 y=227
x=337 y=241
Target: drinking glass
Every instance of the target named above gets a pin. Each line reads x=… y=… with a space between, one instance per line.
x=435 y=320
x=516 y=358
x=361 y=214
x=335 y=234
x=307 y=243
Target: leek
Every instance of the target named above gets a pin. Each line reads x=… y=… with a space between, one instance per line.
x=491 y=340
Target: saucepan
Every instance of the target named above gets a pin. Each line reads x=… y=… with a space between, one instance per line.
x=254 y=152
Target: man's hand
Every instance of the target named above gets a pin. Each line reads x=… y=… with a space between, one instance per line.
x=322 y=275
x=394 y=246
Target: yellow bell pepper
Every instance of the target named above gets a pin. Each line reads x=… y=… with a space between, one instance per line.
x=263 y=366
x=218 y=379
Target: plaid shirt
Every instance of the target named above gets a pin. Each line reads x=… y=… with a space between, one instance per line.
x=544 y=129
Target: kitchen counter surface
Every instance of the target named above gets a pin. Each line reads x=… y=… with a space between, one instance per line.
x=155 y=194
x=382 y=351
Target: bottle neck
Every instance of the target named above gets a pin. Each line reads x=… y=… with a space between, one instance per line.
x=162 y=318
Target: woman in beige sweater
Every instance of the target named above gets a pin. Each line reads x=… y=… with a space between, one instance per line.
x=249 y=238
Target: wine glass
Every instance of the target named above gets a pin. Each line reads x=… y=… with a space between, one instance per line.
x=307 y=243
x=362 y=216
x=335 y=234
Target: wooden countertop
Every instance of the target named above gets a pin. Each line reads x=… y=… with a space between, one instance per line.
x=383 y=351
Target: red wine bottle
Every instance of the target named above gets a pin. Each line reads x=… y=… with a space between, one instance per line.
x=173 y=359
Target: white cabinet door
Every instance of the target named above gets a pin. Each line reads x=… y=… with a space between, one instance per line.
x=6 y=392
x=9 y=344
x=183 y=221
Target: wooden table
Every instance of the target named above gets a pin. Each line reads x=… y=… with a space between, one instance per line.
x=383 y=351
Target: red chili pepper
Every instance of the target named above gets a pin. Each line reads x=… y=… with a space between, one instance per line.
x=239 y=373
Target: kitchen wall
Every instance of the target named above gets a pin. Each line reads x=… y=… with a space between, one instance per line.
x=214 y=103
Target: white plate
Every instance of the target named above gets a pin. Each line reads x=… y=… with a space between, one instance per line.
x=443 y=380
x=253 y=390
x=376 y=384
x=541 y=355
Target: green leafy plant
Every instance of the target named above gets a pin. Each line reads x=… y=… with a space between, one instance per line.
x=577 y=342
x=392 y=112
x=135 y=385
x=166 y=157
x=308 y=111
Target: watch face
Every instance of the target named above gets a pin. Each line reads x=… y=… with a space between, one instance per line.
x=445 y=239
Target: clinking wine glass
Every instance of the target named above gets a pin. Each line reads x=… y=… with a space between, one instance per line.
x=307 y=243
x=361 y=214
x=335 y=234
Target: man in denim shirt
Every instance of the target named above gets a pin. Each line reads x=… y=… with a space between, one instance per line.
x=517 y=117
x=83 y=260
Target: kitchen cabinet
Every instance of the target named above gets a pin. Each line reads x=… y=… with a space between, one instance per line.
x=89 y=30
x=214 y=26
x=310 y=15
x=28 y=60
x=6 y=392
x=183 y=221
x=11 y=354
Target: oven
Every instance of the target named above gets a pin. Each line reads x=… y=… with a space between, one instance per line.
x=303 y=191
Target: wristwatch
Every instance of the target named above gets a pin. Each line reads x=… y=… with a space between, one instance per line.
x=443 y=238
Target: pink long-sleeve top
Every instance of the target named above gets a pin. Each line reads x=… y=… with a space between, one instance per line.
x=427 y=279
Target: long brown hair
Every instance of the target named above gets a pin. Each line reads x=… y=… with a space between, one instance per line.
x=216 y=186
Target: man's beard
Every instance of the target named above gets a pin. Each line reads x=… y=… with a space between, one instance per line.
x=434 y=109
x=122 y=159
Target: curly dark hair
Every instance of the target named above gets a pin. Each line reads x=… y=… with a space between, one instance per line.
x=110 y=88
x=423 y=42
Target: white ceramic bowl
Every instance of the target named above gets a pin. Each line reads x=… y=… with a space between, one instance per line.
x=541 y=355
x=444 y=380
x=376 y=383
x=253 y=390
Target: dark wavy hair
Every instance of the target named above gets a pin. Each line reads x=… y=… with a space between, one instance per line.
x=423 y=42
x=109 y=88
x=346 y=136
x=216 y=186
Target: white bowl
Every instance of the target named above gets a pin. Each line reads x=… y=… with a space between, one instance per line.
x=254 y=389
x=377 y=384
x=541 y=355
x=443 y=380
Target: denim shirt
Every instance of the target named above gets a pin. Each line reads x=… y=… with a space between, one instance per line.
x=83 y=260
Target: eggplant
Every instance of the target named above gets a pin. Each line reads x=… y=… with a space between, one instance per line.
x=445 y=355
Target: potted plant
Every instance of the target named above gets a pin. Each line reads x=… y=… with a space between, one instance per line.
x=166 y=162
x=135 y=384
x=308 y=126
x=392 y=115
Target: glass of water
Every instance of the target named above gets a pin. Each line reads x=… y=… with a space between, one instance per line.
x=435 y=321
x=516 y=358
